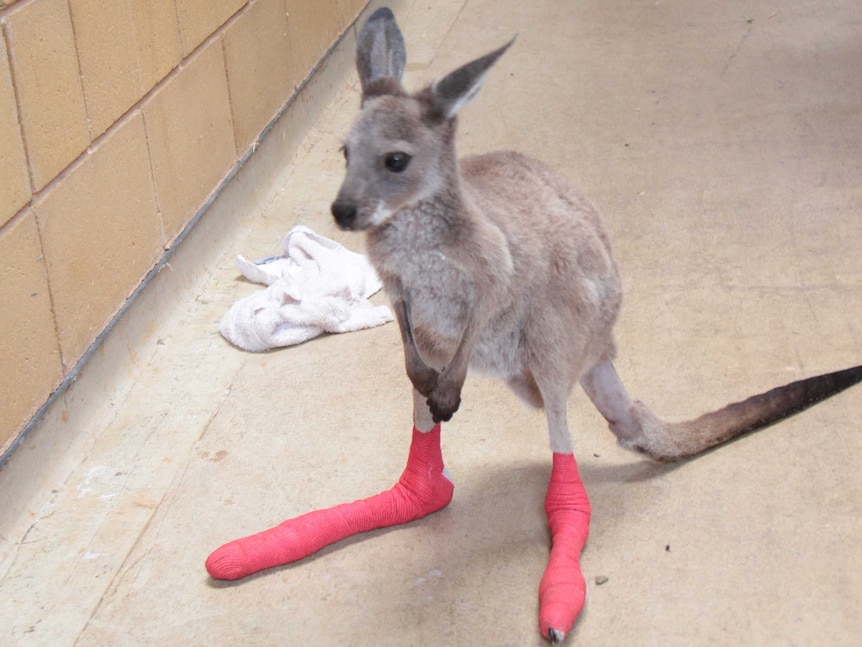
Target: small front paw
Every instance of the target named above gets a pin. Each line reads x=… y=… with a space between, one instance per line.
x=443 y=403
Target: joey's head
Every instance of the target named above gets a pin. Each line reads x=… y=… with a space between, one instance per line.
x=400 y=150
x=395 y=157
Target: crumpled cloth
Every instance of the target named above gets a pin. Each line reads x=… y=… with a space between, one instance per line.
x=316 y=286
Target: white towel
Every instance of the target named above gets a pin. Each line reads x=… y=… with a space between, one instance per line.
x=317 y=286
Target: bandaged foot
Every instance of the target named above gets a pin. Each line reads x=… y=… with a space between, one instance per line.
x=422 y=489
x=562 y=590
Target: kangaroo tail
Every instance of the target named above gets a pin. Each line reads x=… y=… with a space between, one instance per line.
x=675 y=441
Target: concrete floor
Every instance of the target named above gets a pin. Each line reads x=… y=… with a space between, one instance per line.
x=722 y=142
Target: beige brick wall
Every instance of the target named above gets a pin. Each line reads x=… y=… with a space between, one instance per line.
x=118 y=121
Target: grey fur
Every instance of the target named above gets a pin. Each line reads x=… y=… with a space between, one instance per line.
x=494 y=262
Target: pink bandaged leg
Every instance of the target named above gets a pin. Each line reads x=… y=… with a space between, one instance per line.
x=562 y=590
x=421 y=490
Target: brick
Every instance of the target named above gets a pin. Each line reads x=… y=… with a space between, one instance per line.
x=48 y=82
x=347 y=10
x=29 y=355
x=191 y=136
x=124 y=50
x=15 y=186
x=158 y=39
x=313 y=27
x=199 y=19
x=105 y=36
x=259 y=68
x=100 y=234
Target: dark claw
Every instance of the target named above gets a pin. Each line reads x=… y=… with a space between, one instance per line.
x=444 y=401
x=437 y=415
x=556 y=636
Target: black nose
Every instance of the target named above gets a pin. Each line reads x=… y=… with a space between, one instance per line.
x=344 y=214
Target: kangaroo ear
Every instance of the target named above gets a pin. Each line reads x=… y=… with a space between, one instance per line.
x=380 y=51
x=460 y=87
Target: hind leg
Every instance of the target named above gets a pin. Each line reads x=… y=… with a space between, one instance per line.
x=424 y=487
x=608 y=393
x=562 y=590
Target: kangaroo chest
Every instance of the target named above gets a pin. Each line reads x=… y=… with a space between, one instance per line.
x=439 y=292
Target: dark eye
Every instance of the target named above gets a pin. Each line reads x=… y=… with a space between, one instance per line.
x=397 y=162
x=345 y=153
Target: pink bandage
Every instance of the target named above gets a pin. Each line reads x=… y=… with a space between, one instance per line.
x=421 y=490
x=562 y=590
